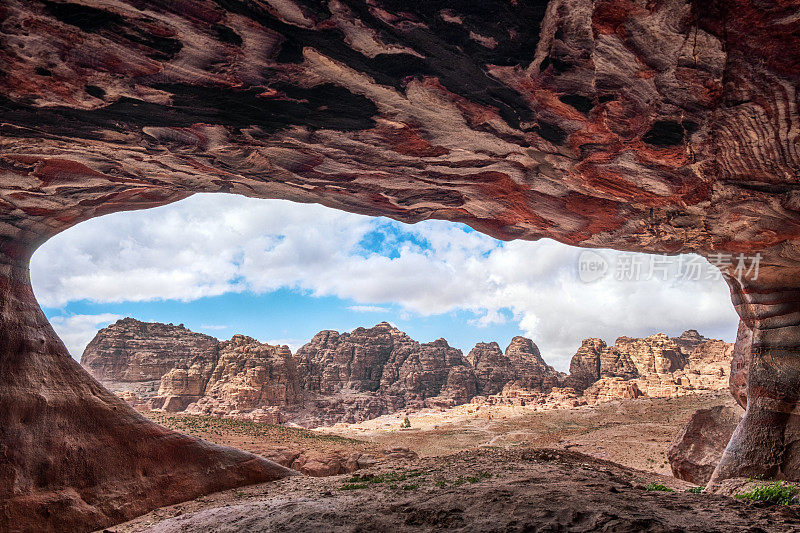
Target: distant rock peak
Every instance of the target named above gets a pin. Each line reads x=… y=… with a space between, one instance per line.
x=368 y=372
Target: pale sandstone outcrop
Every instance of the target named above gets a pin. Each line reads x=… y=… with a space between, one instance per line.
x=249 y=375
x=363 y=374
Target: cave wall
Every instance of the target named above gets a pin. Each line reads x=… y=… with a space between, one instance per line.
x=663 y=126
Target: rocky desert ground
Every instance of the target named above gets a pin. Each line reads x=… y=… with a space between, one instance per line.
x=471 y=468
x=389 y=434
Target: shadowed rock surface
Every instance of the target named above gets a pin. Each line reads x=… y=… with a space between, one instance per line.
x=663 y=126
x=698 y=448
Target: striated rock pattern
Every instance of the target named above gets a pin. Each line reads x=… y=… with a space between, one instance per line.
x=662 y=125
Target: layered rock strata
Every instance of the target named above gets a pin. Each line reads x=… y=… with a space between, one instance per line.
x=663 y=126
x=369 y=372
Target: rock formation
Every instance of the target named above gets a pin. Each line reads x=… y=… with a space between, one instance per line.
x=350 y=377
x=249 y=375
x=521 y=364
x=380 y=370
x=698 y=448
x=492 y=368
x=659 y=365
x=664 y=126
x=133 y=356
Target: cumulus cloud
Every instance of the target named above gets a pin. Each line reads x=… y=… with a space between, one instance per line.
x=206 y=246
x=368 y=309
x=77 y=330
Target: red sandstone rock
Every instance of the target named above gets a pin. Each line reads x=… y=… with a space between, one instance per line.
x=253 y=381
x=664 y=126
x=698 y=448
x=492 y=368
x=249 y=375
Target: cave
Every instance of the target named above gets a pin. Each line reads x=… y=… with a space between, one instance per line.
x=667 y=126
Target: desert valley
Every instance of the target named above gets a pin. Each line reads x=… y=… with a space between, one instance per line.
x=638 y=131
x=373 y=412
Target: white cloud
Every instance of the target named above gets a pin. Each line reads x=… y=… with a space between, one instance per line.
x=369 y=309
x=293 y=344
x=77 y=330
x=213 y=244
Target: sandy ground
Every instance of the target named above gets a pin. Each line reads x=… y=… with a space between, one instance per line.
x=480 y=469
x=634 y=433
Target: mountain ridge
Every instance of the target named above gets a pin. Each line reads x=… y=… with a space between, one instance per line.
x=368 y=372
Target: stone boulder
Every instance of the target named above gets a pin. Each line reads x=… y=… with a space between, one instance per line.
x=698 y=447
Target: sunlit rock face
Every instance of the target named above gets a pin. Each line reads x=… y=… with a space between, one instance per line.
x=249 y=375
x=369 y=372
x=662 y=126
x=133 y=356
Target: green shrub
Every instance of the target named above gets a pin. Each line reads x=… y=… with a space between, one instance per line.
x=480 y=476
x=696 y=490
x=653 y=486
x=775 y=492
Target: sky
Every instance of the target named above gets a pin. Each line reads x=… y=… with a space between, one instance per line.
x=280 y=272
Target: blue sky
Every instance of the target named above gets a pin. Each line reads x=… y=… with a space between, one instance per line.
x=280 y=272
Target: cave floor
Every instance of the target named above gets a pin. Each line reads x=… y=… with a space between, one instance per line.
x=489 y=489
x=514 y=471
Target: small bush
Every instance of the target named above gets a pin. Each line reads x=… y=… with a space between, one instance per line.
x=775 y=492
x=696 y=490
x=480 y=476
x=353 y=486
x=658 y=487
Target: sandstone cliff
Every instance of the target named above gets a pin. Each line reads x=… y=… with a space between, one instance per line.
x=133 y=356
x=350 y=377
x=378 y=370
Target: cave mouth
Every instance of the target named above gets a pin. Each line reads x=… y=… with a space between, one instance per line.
x=239 y=275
